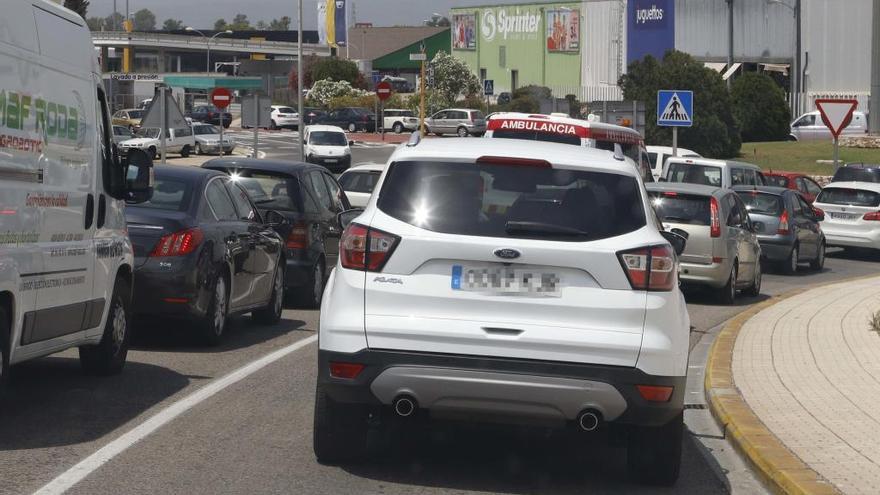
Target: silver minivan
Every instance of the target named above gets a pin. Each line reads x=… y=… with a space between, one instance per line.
x=722 y=250
x=461 y=121
x=716 y=173
x=809 y=126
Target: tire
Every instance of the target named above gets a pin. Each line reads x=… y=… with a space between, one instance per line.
x=184 y=152
x=340 y=430
x=755 y=289
x=4 y=349
x=397 y=128
x=199 y=149
x=790 y=266
x=727 y=294
x=312 y=297
x=271 y=314
x=653 y=454
x=213 y=324
x=352 y=127
x=153 y=152
x=273 y=126
x=462 y=132
x=818 y=264
x=108 y=357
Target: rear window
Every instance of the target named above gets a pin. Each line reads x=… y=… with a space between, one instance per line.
x=694 y=174
x=169 y=195
x=762 y=203
x=286 y=110
x=856 y=174
x=681 y=208
x=497 y=200
x=776 y=181
x=271 y=192
x=538 y=136
x=849 y=197
x=135 y=114
x=359 y=182
x=477 y=115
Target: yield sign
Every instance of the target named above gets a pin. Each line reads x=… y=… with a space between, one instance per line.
x=836 y=114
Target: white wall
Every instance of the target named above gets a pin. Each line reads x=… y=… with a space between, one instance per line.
x=837 y=35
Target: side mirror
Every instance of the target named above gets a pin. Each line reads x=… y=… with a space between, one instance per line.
x=274 y=219
x=138 y=177
x=678 y=241
x=346 y=217
x=351 y=143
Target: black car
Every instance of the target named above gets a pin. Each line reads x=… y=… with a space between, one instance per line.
x=204 y=252
x=311 y=115
x=310 y=199
x=352 y=119
x=857 y=172
x=209 y=114
x=786 y=225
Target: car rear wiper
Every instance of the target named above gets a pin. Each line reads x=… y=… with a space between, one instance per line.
x=541 y=228
x=677 y=219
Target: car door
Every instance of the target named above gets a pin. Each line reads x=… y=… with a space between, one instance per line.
x=236 y=238
x=263 y=247
x=326 y=216
x=438 y=123
x=339 y=203
x=807 y=227
x=737 y=225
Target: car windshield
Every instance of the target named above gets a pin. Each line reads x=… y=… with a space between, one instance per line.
x=168 y=194
x=150 y=132
x=776 y=180
x=135 y=114
x=706 y=175
x=359 y=182
x=205 y=130
x=762 y=203
x=857 y=174
x=327 y=138
x=498 y=200
x=849 y=197
x=549 y=137
x=681 y=208
x=271 y=192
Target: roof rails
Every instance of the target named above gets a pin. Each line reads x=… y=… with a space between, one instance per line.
x=414 y=139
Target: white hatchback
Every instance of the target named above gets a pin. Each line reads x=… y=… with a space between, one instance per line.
x=359 y=182
x=505 y=280
x=284 y=117
x=852 y=214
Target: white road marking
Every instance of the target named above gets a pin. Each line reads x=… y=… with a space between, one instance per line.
x=90 y=464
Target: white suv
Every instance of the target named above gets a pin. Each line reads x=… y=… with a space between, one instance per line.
x=505 y=280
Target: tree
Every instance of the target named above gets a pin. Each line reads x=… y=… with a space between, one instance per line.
x=96 y=23
x=760 y=107
x=282 y=24
x=78 y=6
x=715 y=132
x=309 y=62
x=325 y=90
x=240 y=23
x=220 y=25
x=335 y=69
x=437 y=21
x=453 y=78
x=113 y=22
x=172 y=25
x=262 y=26
x=144 y=20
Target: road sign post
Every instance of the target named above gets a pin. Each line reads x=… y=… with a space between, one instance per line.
x=256 y=112
x=488 y=90
x=163 y=117
x=675 y=108
x=836 y=115
x=383 y=92
x=164 y=114
x=421 y=57
x=221 y=98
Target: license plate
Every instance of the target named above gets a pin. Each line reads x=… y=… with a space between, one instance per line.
x=506 y=281
x=331 y=160
x=843 y=216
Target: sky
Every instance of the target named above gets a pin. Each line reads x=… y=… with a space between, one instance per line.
x=203 y=13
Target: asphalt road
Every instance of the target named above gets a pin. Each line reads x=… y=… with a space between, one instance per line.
x=255 y=435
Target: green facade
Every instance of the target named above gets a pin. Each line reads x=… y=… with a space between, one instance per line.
x=512 y=41
x=399 y=60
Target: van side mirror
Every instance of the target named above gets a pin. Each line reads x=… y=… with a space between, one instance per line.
x=348 y=216
x=351 y=143
x=678 y=241
x=274 y=219
x=138 y=177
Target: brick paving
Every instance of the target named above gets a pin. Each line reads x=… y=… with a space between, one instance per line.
x=809 y=367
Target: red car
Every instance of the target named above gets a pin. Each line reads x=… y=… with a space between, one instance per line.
x=791 y=180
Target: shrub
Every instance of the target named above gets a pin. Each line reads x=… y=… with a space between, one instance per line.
x=760 y=107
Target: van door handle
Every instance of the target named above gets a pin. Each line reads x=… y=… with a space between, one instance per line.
x=90 y=211
x=506 y=332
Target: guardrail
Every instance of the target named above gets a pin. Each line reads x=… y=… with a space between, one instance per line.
x=157 y=40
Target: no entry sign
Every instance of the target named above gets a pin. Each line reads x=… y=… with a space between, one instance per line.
x=221 y=97
x=383 y=90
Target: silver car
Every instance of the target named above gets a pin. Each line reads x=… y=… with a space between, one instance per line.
x=208 y=140
x=722 y=250
x=461 y=121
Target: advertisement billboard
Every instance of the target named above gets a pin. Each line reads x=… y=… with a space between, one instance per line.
x=650 y=28
x=332 y=22
x=464 y=32
x=563 y=30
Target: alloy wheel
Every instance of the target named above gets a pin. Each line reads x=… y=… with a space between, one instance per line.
x=120 y=326
x=220 y=306
x=794 y=259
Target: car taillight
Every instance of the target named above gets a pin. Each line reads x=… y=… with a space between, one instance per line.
x=715 y=226
x=783 y=224
x=650 y=268
x=298 y=238
x=178 y=243
x=348 y=371
x=873 y=216
x=366 y=249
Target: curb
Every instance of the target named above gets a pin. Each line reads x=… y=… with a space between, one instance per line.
x=779 y=468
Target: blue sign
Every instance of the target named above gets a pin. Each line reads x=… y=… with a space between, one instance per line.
x=488 y=87
x=675 y=108
x=651 y=28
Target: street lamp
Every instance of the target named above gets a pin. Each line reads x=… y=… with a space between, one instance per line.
x=208 y=40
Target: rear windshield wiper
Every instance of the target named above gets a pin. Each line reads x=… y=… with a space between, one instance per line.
x=677 y=219
x=542 y=228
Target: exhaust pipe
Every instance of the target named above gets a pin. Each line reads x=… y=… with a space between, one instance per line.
x=589 y=420
x=404 y=406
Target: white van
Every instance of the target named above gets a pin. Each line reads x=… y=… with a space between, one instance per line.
x=809 y=126
x=65 y=257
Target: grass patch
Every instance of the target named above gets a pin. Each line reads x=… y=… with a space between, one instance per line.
x=801 y=156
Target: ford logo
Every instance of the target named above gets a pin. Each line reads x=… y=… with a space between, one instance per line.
x=507 y=253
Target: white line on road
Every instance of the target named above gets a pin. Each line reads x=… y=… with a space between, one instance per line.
x=91 y=463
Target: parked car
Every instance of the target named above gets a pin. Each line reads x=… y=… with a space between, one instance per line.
x=475 y=287
x=804 y=184
x=310 y=199
x=209 y=114
x=461 y=121
x=352 y=119
x=284 y=117
x=327 y=145
x=130 y=118
x=208 y=140
x=787 y=226
x=723 y=252
x=360 y=181
x=149 y=140
x=852 y=214
x=204 y=253
x=809 y=126
x=657 y=156
x=857 y=172
x=121 y=133
x=311 y=115
x=399 y=120
x=144 y=104
x=715 y=173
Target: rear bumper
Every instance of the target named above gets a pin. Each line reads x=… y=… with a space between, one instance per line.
x=297 y=272
x=851 y=238
x=465 y=387
x=334 y=164
x=169 y=294
x=776 y=248
x=713 y=275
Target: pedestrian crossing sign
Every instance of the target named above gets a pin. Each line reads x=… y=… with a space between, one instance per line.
x=675 y=108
